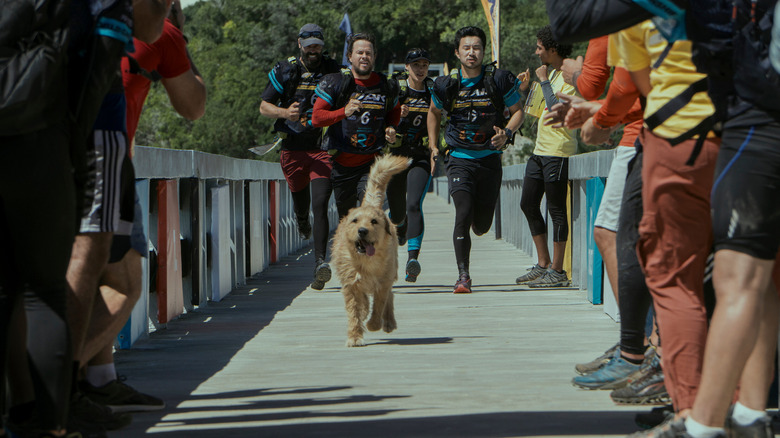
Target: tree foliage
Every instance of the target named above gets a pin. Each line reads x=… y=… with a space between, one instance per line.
x=235 y=43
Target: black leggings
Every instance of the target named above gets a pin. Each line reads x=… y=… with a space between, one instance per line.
x=531 y=202
x=405 y=196
x=634 y=297
x=467 y=217
x=37 y=228
x=318 y=194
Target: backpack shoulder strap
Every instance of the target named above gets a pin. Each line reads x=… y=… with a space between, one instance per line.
x=291 y=82
x=491 y=89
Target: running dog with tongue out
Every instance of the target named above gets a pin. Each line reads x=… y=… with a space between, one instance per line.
x=365 y=255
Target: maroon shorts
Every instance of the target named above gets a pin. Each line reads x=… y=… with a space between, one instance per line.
x=300 y=167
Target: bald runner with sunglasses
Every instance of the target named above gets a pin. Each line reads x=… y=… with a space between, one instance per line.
x=289 y=98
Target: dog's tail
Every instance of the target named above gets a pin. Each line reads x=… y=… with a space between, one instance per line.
x=381 y=171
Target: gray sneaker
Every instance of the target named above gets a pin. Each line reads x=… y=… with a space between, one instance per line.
x=533 y=273
x=551 y=279
x=761 y=428
x=597 y=363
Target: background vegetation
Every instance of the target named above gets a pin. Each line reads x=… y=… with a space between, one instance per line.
x=235 y=43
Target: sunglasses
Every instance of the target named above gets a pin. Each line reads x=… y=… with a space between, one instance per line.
x=315 y=34
x=416 y=54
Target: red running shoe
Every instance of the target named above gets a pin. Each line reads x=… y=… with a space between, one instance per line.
x=463 y=285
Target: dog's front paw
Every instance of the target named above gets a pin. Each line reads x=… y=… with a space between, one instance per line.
x=389 y=326
x=355 y=343
x=374 y=324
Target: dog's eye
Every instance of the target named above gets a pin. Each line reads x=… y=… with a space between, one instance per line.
x=374 y=222
x=354 y=221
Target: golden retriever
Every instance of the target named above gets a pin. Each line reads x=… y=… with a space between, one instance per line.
x=365 y=255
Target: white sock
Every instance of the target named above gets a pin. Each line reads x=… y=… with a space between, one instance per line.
x=744 y=416
x=698 y=430
x=100 y=375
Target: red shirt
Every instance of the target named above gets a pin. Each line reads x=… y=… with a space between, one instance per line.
x=167 y=56
x=595 y=71
x=622 y=105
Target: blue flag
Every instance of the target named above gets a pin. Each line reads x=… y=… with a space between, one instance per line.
x=345 y=27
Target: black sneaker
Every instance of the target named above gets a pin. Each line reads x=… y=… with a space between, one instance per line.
x=594 y=365
x=656 y=416
x=412 y=270
x=120 y=397
x=304 y=228
x=321 y=275
x=760 y=428
x=646 y=386
x=84 y=412
x=400 y=230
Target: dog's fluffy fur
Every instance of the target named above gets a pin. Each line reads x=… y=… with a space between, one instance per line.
x=365 y=255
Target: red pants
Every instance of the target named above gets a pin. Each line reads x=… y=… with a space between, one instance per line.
x=675 y=238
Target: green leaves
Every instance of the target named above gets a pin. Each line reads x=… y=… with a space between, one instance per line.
x=235 y=43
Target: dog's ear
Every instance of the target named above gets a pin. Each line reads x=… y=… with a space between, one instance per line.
x=387 y=226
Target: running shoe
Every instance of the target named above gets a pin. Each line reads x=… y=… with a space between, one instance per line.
x=550 y=279
x=645 y=386
x=761 y=428
x=121 y=397
x=463 y=285
x=321 y=275
x=589 y=367
x=83 y=411
x=533 y=273
x=412 y=270
x=612 y=376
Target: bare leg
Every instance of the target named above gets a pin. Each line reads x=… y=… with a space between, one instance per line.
x=543 y=254
x=606 y=242
x=760 y=366
x=741 y=281
x=120 y=288
x=87 y=261
x=559 y=250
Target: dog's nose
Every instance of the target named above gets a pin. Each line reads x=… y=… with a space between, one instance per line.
x=362 y=232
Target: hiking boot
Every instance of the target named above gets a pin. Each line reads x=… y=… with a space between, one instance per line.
x=589 y=367
x=551 y=278
x=533 y=273
x=645 y=386
x=760 y=428
x=669 y=429
x=612 y=376
x=412 y=270
x=656 y=416
x=463 y=285
x=304 y=227
x=321 y=275
x=84 y=413
x=400 y=230
x=120 y=397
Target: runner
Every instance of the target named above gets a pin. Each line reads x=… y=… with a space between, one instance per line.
x=407 y=190
x=305 y=165
x=360 y=107
x=475 y=97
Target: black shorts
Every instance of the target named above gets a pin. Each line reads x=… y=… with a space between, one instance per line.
x=478 y=176
x=547 y=169
x=349 y=185
x=746 y=191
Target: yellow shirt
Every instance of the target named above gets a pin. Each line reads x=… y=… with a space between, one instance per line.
x=555 y=142
x=639 y=47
